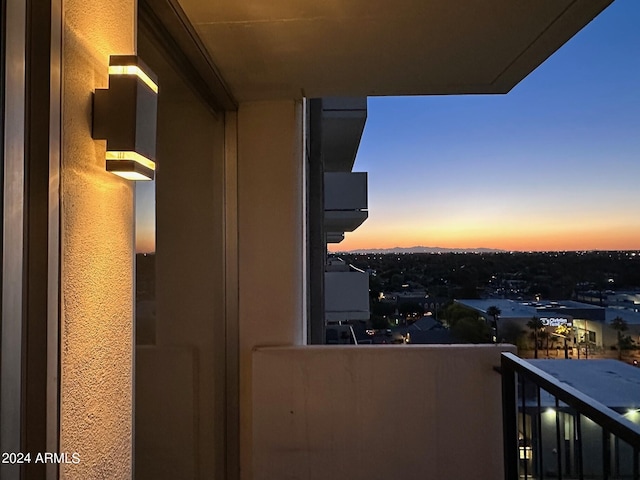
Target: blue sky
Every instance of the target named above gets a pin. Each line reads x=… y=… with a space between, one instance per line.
x=554 y=164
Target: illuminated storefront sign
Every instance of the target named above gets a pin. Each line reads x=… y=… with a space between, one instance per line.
x=556 y=321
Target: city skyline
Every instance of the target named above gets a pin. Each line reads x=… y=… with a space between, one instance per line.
x=552 y=165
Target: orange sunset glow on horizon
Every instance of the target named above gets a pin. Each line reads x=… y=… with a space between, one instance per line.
x=508 y=237
x=529 y=244
x=552 y=165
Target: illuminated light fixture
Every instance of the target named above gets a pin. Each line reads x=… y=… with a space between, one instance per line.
x=125 y=116
x=525 y=453
x=133 y=70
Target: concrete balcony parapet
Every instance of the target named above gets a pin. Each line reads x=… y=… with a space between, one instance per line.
x=339 y=221
x=363 y=412
x=345 y=191
x=346 y=296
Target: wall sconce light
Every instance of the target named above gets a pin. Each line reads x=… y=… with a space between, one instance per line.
x=125 y=116
x=525 y=453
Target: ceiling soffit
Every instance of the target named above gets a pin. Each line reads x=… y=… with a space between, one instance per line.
x=293 y=48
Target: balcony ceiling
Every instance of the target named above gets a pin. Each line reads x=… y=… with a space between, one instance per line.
x=334 y=237
x=274 y=49
x=340 y=221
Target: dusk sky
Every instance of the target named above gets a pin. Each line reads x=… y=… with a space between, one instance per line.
x=552 y=165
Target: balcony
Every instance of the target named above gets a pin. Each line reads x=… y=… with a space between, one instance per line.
x=346 y=296
x=345 y=201
x=345 y=191
x=340 y=221
x=555 y=430
x=343 y=120
x=334 y=237
x=372 y=412
x=428 y=412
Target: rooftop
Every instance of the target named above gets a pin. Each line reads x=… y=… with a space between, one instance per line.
x=517 y=309
x=629 y=316
x=613 y=383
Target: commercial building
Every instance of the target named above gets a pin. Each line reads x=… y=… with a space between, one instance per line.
x=227 y=386
x=589 y=324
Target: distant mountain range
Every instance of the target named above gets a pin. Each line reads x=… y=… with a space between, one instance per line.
x=421 y=249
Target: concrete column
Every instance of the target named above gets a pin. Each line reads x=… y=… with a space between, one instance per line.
x=317 y=245
x=97 y=256
x=270 y=240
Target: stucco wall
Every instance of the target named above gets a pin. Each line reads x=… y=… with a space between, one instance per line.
x=97 y=255
x=270 y=240
x=371 y=412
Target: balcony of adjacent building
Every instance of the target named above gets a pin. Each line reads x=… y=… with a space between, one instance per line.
x=345 y=203
x=346 y=291
x=343 y=120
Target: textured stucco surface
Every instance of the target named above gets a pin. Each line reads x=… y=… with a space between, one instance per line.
x=376 y=412
x=270 y=239
x=97 y=256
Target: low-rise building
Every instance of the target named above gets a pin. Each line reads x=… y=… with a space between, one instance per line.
x=589 y=324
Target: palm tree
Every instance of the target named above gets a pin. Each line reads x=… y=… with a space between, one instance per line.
x=545 y=336
x=535 y=324
x=563 y=331
x=494 y=312
x=620 y=325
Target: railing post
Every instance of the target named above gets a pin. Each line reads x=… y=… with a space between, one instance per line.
x=539 y=434
x=509 y=421
x=606 y=454
x=523 y=406
x=580 y=457
x=559 y=441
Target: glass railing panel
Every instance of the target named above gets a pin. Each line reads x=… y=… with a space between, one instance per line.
x=622 y=459
x=547 y=465
x=592 y=450
x=527 y=393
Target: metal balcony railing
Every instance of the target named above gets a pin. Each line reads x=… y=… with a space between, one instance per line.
x=552 y=430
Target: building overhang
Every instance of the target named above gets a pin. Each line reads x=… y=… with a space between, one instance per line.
x=334 y=237
x=345 y=203
x=340 y=221
x=291 y=48
x=343 y=120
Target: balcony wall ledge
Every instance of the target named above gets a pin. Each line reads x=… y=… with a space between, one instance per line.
x=362 y=412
